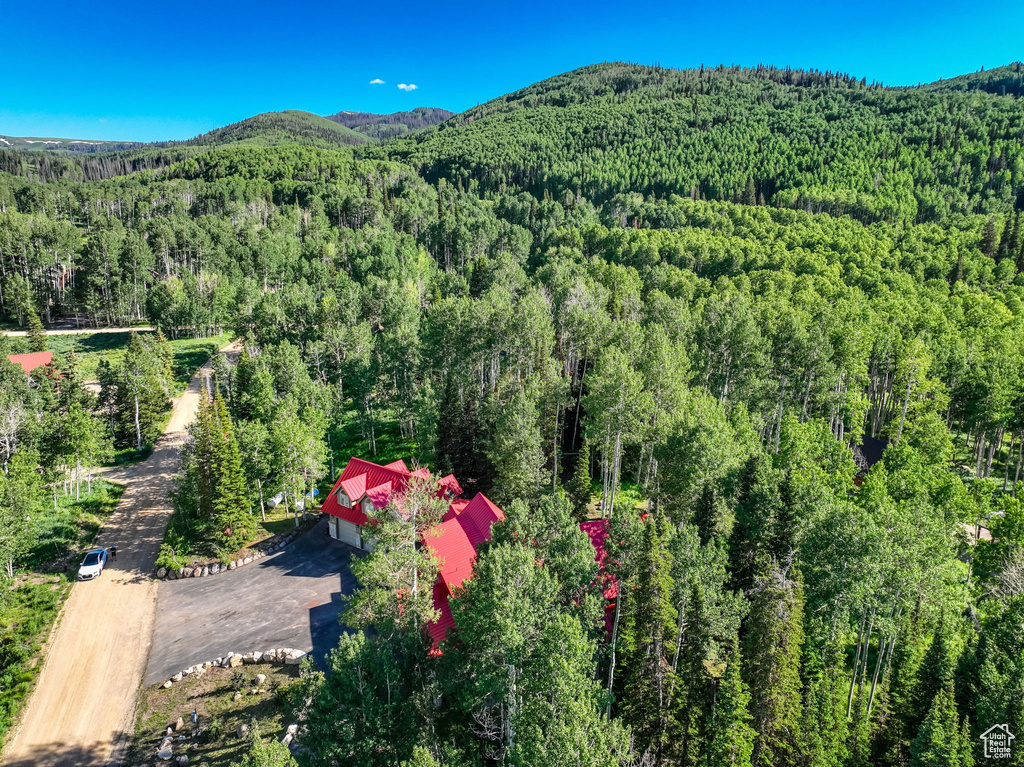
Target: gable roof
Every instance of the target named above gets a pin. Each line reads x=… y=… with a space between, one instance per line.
x=30 y=362
x=452 y=541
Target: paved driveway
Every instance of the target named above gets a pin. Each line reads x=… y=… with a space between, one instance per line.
x=289 y=599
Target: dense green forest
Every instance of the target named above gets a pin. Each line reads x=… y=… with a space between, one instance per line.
x=708 y=287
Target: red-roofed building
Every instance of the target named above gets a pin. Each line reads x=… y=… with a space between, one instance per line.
x=30 y=362
x=597 y=531
x=364 y=488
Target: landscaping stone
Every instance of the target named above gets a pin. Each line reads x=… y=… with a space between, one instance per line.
x=197 y=573
x=232 y=565
x=214 y=569
x=179 y=724
x=260 y=679
x=185 y=572
x=243 y=730
x=293 y=657
x=257 y=656
x=247 y=560
x=270 y=656
x=167 y=684
x=164 y=754
x=248 y=657
x=177 y=677
x=183 y=759
x=235 y=661
x=161 y=572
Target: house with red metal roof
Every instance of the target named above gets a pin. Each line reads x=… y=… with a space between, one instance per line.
x=30 y=362
x=364 y=488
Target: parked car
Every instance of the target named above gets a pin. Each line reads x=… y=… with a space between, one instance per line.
x=92 y=565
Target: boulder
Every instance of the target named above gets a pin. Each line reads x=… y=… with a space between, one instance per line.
x=293 y=729
x=164 y=754
x=232 y=565
x=235 y=661
x=249 y=657
x=257 y=657
x=177 y=677
x=185 y=572
x=199 y=572
x=260 y=679
x=243 y=730
x=293 y=657
x=247 y=560
x=183 y=759
x=270 y=656
x=161 y=572
x=167 y=684
x=214 y=569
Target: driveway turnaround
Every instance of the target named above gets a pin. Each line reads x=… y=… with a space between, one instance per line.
x=289 y=599
x=83 y=704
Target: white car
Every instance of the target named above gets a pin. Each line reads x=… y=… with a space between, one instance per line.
x=92 y=565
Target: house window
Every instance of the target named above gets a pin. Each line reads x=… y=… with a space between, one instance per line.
x=367 y=506
x=343 y=499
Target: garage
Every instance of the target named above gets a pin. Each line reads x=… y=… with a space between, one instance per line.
x=346 y=532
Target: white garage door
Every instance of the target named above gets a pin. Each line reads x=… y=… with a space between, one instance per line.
x=349 y=533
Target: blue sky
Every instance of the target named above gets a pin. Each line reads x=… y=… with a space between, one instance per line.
x=150 y=71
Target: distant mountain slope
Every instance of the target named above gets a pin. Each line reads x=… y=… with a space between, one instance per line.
x=65 y=145
x=383 y=127
x=817 y=141
x=1002 y=81
x=283 y=128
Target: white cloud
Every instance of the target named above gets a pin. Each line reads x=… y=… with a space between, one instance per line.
x=409 y=87
x=376 y=81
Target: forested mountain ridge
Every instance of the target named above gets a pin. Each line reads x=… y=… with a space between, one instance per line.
x=457 y=296
x=817 y=141
x=282 y=128
x=1002 y=81
x=65 y=145
x=392 y=125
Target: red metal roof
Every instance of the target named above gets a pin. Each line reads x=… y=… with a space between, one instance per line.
x=452 y=541
x=597 y=530
x=30 y=362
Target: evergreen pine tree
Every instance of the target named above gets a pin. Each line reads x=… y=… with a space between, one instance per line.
x=36 y=334
x=230 y=503
x=646 y=639
x=942 y=741
x=771 y=663
x=731 y=736
x=710 y=515
x=579 y=488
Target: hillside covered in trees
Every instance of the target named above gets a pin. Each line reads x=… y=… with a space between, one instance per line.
x=691 y=294
x=391 y=125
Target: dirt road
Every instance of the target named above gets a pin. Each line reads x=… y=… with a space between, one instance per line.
x=78 y=331
x=84 y=700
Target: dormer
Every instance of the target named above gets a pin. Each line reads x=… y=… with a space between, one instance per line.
x=343 y=499
x=368 y=507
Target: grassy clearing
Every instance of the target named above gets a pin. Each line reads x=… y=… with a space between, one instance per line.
x=92 y=348
x=60 y=535
x=212 y=696
x=27 y=611
x=629 y=496
x=349 y=440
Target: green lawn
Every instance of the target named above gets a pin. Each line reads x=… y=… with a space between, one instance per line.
x=348 y=441
x=91 y=348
